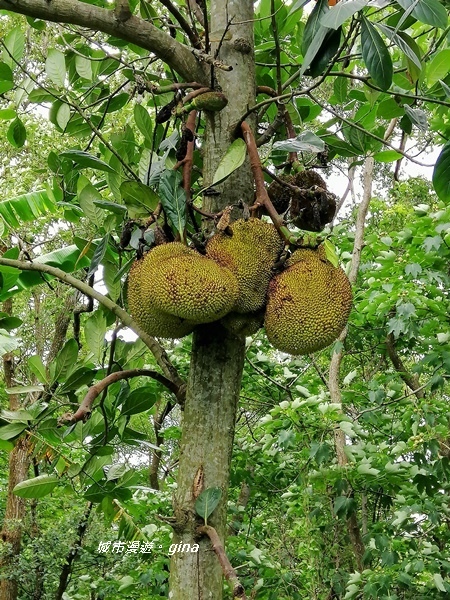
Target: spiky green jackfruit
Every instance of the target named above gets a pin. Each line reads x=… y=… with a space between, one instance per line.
x=173 y=288
x=243 y=325
x=250 y=253
x=308 y=304
x=153 y=321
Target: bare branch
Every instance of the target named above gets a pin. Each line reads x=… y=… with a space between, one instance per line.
x=85 y=409
x=228 y=571
x=134 y=29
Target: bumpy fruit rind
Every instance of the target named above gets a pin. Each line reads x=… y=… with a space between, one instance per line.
x=308 y=304
x=250 y=253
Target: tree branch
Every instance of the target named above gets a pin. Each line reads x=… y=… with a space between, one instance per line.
x=228 y=571
x=85 y=409
x=134 y=29
x=158 y=352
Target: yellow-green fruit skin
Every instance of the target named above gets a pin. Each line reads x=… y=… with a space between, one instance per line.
x=250 y=253
x=153 y=321
x=308 y=304
x=173 y=288
x=243 y=324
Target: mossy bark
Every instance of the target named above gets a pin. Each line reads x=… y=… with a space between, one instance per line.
x=217 y=356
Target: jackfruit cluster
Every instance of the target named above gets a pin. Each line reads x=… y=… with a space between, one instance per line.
x=249 y=250
x=308 y=303
x=173 y=288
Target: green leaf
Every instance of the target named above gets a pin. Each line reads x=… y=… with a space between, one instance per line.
x=37 y=487
x=38 y=369
x=340 y=87
x=65 y=360
x=387 y=156
x=234 y=157
x=95 y=330
x=327 y=50
x=173 y=199
x=342 y=11
x=117 y=209
x=55 y=66
x=139 y=199
x=139 y=400
x=24 y=389
x=15 y=47
x=304 y=142
x=207 y=502
x=376 y=55
x=314 y=34
x=76 y=380
x=418 y=117
x=113 y=285
x=86 y=198
x=99 y=254
x=84 y=67
x=16 y=134
x=86 y=160
x=405 y=42
x=431 y=12
x=143 y=122
x=8 y=343
x=63 y=115
x=438 y=67
x=441 y=174
x=6 y=114
x=330 y=253
x=9 y=323
x=9 y=432
x=439 y=582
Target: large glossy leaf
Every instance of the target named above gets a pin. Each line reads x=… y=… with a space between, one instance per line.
x=342 y=11
x=405 y=42
x=16 y=134
x=139 y=400
x=207 y=502
x=376 y=55
x=14 y=47
x=173 y=199
x=9 y=432
x=314 y=34
x=65 y=360
x=86 y=160
x=232 y=160
x=438 y=67
x=139 y=199
x=143 y=122
x=8 y=342
x=305 y=142
x=327 y=50
x=26 y=207
x=55 y=66
x=431 y=12
x=38 y=487
x=441 y=174
x=37 y=367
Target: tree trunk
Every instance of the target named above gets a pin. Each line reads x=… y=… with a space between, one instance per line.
x=19 y=462
x=217 y=356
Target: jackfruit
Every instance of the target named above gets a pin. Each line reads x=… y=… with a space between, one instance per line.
x=313 y=207
x=243 y=325
x=281 y=195
x=176 y=281
x=308 y=304
x=153 y=321
x=250 y=253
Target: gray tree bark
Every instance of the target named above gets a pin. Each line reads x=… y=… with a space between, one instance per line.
x=217 y=356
